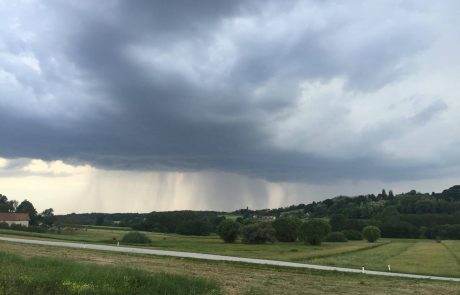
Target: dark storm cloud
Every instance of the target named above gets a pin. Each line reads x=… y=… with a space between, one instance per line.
x=154 y=97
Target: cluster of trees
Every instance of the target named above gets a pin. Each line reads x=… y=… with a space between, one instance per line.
x=290 y=229
x=407 y=215
x=101 y=219
x=181 y=222
x=45 y=219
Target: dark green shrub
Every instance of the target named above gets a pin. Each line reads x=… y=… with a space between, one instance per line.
x=314 y=231
x=135 y=237
x=353 y=235
x=338 y=221
x=35 y=229
x=16 y=226
x=398 y=229
x=447 y=231
x=287 y=228
x=228 y=230
x=4 y=225
x=258 y=233
x=336 y=236
x=195 y=227
x=371 y=233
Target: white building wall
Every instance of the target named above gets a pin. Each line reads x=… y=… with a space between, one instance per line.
x=23 y=223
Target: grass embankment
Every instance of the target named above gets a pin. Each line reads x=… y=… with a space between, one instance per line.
x=238 y=278
x=42 y=275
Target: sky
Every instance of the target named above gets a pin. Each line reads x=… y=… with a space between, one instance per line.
x=139 y=106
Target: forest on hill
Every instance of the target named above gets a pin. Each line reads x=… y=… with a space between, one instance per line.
x=407 y=215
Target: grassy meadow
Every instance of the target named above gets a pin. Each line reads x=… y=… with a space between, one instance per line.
x=43 y=275
x=81 y=271
x=404 y=255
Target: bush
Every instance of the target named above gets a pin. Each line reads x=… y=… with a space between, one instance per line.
x=228 y=230
x=287 y=228
x=353 y=235
x=16 y=226
x=336 y=236
x=314 y=231
x=135 y=237
x=4 y=225
x=35 y=229
x=258 y=233
x=399 y=229
x=447 y=231
x=338 y=221
x=195 y=227
x=371 y=233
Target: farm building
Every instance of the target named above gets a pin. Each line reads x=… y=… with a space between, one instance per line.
x=15 y=218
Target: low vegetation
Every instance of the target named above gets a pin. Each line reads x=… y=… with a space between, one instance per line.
x=314 y=231
x=237 y=278
x=336 y=237
x=136 y=238
x=258 y=233
x=353 y=235
x=228 y=230
x=46 y=276
x=371 y=233
x=287 y=228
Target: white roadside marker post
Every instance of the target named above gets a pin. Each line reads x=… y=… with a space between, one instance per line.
x=362 y=270
x=389 y=267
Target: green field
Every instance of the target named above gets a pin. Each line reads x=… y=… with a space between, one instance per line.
x=42 y=275
x=81 y=271
x=404 y=255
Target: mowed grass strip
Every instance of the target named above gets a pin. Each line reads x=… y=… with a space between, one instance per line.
x=405 y=256
x=454 y=248
x=375 y=258
x=426 y=257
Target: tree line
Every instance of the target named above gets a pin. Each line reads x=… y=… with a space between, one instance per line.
x=44 y=219
x=407 y=215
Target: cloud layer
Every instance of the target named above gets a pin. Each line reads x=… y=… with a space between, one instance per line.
x=298 y=91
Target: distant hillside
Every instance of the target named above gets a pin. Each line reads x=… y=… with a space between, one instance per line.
x=411 y=215
x=408 y=215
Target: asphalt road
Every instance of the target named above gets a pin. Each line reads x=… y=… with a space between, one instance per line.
x=219 y=258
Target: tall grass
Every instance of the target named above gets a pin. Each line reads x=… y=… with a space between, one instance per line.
x=41 y=275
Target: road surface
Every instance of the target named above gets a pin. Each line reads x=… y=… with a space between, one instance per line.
x=220 y=258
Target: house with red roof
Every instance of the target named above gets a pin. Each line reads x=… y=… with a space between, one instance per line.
x=15 y=218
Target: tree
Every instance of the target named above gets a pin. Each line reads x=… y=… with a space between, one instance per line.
x=136 y=238
x=338 y=222
x=314 y=231
x=258 y=233
x=384 y=194
x=47 y=217
x=390 y=194
x=371 y=233
x=228 y=230
x=287 y=228
x=100 y=220
x=7 y=206
x=27 y=207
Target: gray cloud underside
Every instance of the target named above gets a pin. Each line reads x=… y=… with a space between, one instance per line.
x=148 y=85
